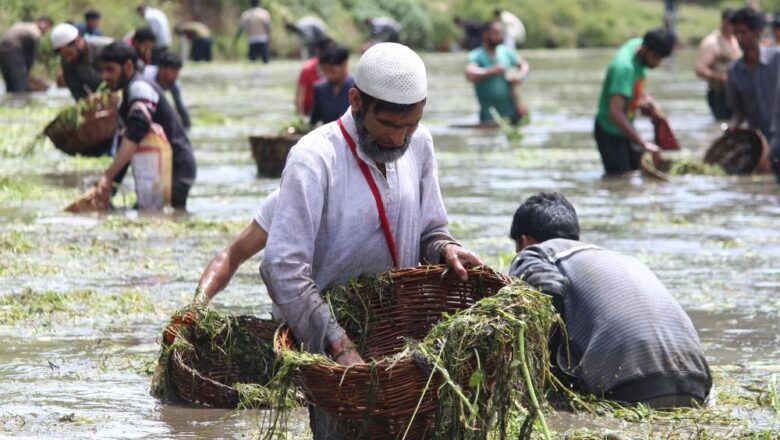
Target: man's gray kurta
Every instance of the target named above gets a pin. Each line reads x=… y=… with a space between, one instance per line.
x=326 y=229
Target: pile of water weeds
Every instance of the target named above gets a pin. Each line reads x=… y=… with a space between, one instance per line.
x=491 y=361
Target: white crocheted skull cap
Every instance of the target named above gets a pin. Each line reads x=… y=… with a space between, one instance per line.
x=392 y=72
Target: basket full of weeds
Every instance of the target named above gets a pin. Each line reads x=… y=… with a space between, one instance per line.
x=86 y=128
x=387 y=315
x=742 y=151
x=216 y=360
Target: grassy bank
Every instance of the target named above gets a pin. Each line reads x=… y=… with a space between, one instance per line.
x=427 y=24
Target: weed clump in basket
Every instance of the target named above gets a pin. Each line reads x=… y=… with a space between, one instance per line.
x=223 y=349
x=494 y=363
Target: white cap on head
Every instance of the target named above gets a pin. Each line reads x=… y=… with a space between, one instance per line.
x=392 y=72
x=63 y=34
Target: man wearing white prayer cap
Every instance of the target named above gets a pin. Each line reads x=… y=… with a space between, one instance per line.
x=359 y=195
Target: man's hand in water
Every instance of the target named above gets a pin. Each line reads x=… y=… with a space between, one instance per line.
x=343 y=351
x=104 y=187
x=654 y=150
x=456 y=257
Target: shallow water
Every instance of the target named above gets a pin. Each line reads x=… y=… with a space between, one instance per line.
x=83 y=372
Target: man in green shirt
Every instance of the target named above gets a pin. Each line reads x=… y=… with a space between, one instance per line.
x=490 y=68
x=622 y=95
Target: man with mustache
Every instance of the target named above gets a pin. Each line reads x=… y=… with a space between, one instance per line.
x=359 y=195
x=495 y=83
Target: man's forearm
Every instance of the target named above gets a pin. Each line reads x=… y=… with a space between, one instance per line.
x=123 y=156
x=625 y=127
x=217 y=274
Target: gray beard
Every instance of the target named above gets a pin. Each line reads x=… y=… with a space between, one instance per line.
x=373 y=150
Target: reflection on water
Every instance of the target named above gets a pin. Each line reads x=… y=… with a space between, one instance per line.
x=713 y=241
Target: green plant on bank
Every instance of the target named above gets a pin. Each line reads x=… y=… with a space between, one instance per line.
x=426 y=25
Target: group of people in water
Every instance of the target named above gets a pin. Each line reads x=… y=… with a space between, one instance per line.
x=360 y=193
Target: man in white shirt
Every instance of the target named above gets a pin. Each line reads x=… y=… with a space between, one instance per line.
x=256 y=22
x=157 y=20
x=359 y=195
x=514 y=29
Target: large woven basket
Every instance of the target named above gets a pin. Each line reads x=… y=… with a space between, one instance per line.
x=206 y=377
x=93 y=137
x=270 y=153
x=378 y=400
x=740 y=152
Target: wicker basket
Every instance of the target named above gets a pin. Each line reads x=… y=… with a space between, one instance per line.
x=206 y=377
x=93 y=137
x=740 y=152
x=378 y=400
x=270 y=153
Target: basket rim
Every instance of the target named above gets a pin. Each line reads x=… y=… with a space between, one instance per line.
x=181 y=367
x=284 y=340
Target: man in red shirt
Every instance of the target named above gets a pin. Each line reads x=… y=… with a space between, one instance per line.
x=310 y=74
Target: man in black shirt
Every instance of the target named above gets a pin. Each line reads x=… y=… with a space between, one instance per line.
x=141 y=99
x=627 y=338
x=78 y=59
x=330 y=93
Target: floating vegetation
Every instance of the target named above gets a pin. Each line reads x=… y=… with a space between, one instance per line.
x=44 y=307
x=512 y=131
x=14 y=242
x=204 y=116
x=692 y=167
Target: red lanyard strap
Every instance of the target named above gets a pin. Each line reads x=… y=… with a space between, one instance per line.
x=380 y=207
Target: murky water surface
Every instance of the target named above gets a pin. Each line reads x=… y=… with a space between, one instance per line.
x=80 y=370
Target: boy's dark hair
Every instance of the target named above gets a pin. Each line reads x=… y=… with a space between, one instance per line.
x=488 y=25
x=659 y=41
x=545 y=216
x=323 y=43
x=726 y=14
x=91 y=14
x=143 y=34
x=45 y=18
x=117 y=52
x=751 y=18
x=334 y=53
x=254 y=3
x=170 y=59
x=382 y=106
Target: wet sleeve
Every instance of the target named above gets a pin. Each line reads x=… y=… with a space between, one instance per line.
x=474 y=58
x=138 y=121
x=316 y=109
x=265 y=212
x=138 y=124
x=536 y=268
x=287 y=265
x=72 y=81
x=435 y=234
x=181 y=109
x=733 y=98
x=621 y=82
